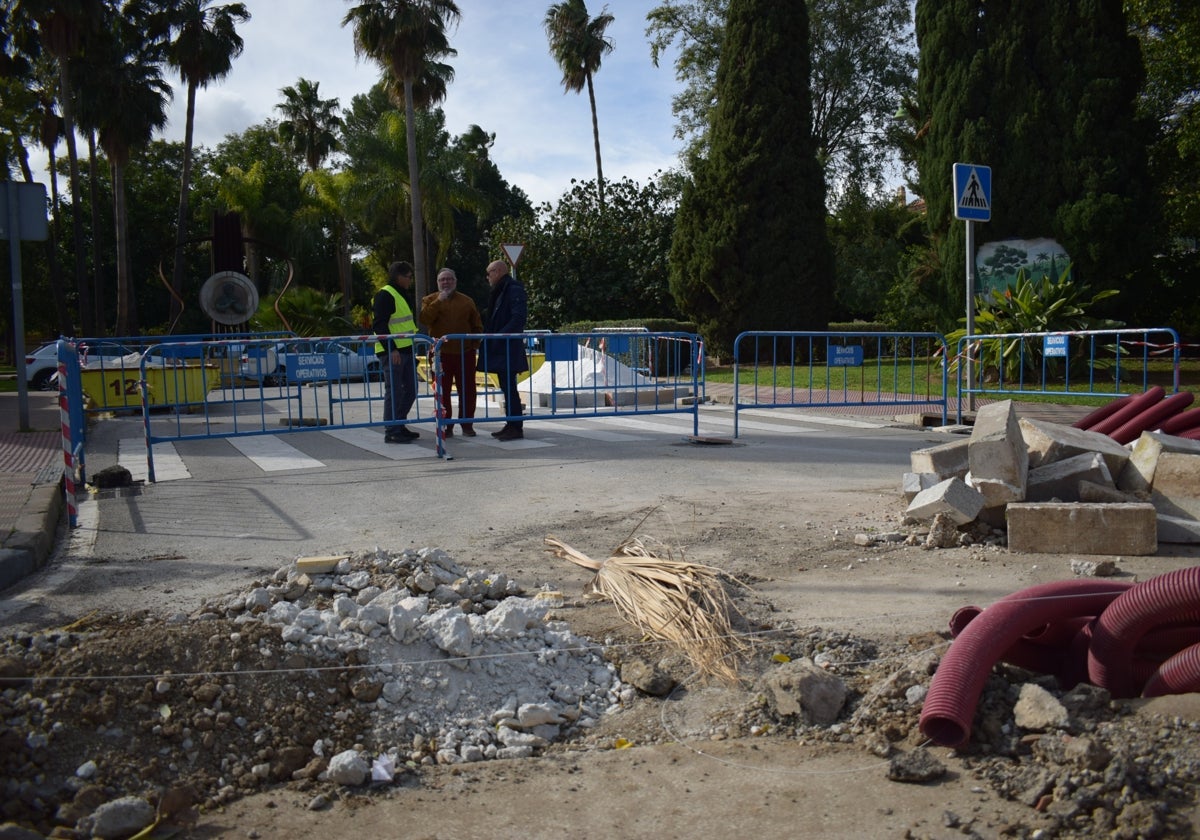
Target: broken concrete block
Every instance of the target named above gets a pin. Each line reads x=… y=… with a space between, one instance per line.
x=1176 y=487
x=1138 y=473
x=946 y=460
x=1105 y=494
x=320 y=565
x=1048 y=442
x=1060 y=479
x=1078 y=528
x=996 y=454
x=914 y=483
x=996 y=494
x=1177 y=529
x=951 y=497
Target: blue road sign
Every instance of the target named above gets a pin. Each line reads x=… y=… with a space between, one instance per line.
x=972 y=192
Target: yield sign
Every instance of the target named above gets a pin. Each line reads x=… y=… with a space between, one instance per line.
x=513 y=252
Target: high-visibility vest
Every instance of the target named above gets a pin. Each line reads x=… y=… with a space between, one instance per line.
x=400 y=322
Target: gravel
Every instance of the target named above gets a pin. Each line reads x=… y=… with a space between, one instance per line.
x=391 y=663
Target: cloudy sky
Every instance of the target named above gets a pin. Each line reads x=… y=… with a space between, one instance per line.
x=505 y=81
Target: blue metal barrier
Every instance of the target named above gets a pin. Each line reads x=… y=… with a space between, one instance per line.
x=587 y=374
x=828 y=369
x=1078 y=363
x=195 y=389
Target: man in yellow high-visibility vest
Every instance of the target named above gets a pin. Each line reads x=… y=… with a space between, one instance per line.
x=392 y=316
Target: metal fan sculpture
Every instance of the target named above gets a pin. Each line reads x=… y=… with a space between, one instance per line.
x=228 y=296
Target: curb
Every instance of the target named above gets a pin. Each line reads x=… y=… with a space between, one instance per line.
x=28 y=547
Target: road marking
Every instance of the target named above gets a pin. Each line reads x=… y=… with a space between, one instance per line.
x=273 y=455
x=591 y=433
x=372 y=441
x=168 y=466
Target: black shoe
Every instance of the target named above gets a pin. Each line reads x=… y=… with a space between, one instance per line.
x=468 y=430
x=405 y=432
x=513 y=432
x=501 y=431
x=397 y=439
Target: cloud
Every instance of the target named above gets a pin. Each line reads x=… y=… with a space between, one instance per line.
x=505 y=81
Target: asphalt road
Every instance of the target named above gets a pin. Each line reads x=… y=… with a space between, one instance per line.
x=224 y=512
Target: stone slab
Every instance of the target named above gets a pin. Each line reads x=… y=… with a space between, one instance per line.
x=1176 y=489
x=951 y=497
x=1048 y=442
x=999 y=463
x=946 y=460
x=1178 y=530
x=1060 y=479
x=1138 y=473
x=1083 y=528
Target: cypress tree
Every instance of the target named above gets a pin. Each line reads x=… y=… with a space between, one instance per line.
x=1043 y=92
x=750 y=250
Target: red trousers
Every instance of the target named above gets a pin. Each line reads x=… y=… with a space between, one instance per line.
x=458 y=371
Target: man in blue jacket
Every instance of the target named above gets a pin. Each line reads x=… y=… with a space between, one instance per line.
x=505 y=357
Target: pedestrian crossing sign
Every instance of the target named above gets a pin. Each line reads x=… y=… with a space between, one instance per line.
x=972 y=192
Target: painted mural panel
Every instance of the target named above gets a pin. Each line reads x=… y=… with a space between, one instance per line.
x=997 y=263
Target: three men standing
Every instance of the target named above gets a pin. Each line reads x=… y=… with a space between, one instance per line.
x=448 y=312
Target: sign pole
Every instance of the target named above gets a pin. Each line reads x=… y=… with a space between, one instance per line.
x=970 y=311
x=972 y=203
x=14 y=259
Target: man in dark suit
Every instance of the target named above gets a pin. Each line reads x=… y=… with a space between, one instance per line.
x=503 y=356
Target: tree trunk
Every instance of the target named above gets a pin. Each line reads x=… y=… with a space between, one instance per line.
x=65 y=325
x=81 y=279
x=344 y=272
x=181 y=231
x=97 y=267
x=596 y=138
x=124 y=322
x=414 y=192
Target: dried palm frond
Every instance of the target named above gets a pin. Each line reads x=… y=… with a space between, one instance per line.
x=672 y=600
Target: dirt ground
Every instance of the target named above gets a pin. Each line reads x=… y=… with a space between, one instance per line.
x=708 y=759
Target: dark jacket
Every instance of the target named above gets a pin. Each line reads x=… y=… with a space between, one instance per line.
x=507 y=310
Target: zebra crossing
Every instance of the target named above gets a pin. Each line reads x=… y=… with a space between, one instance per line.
x=273 y=453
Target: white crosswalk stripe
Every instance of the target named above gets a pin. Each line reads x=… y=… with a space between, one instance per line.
x=372 y=441
x=168 y=466
x=273 y=455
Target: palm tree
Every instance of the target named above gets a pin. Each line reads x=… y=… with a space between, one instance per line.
x=403 y=36
x=578 y=45
x=130 y=95
x=204 y=46
x=310 y=124
x=326 y=200
x=62 y=25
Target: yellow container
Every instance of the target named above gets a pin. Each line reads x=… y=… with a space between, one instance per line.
x=116 y=387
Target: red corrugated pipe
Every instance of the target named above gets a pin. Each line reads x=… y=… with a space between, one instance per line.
x=1178 y=675
x=1132 y=409
x=1169 y=599
x=954 y=692
x=1153 y=417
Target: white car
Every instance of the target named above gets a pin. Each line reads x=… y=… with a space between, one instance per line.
x=42 y=364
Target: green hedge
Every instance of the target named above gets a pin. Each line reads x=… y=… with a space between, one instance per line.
x=650 y=324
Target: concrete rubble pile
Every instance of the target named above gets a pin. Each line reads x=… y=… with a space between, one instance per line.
x=439 y=653
x=1057 y=489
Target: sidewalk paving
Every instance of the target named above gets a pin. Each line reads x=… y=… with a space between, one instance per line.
x=31 y=499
